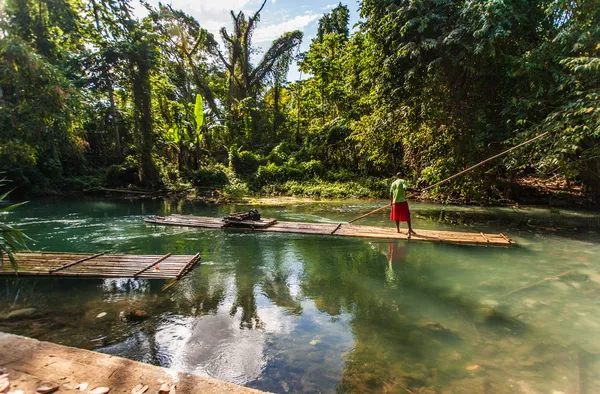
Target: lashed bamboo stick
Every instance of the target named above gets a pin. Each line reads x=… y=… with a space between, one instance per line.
x=74 y=263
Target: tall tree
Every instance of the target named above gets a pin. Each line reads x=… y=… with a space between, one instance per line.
x=245 y=80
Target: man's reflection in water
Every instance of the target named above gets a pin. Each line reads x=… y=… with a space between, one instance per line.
x=396 y=256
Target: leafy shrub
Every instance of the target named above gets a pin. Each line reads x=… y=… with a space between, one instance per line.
x=79 y=184
x=119 y=176
x=276 y=157
x=312 y=169
x=320 y=189
x=282 y=153
x=236 y=189
x=210 y=177
x=340 y=175
x=274 y=174
x=269 y=174
x=244 y=164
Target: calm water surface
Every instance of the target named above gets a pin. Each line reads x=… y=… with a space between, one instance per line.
x=300 y=313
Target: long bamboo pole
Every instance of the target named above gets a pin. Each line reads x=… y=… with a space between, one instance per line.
x=463 y=171
x=369 y=214
x=486 y=160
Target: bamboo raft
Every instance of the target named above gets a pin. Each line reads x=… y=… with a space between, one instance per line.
x=339 y=229
x=100 y=265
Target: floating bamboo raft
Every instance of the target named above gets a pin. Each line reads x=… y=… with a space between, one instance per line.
x=100 y=265
x=341 y=229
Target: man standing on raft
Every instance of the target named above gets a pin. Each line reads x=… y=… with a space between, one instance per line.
x=400 y=212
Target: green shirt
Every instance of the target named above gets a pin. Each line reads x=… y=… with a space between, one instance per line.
x=397 y=191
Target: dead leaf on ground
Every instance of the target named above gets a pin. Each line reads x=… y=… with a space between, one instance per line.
x=82 y=386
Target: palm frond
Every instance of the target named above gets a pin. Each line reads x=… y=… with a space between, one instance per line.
x=11 y=239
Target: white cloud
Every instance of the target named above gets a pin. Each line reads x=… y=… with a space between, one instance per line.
x=329 y=6
x=213 y=5
x=271 y=32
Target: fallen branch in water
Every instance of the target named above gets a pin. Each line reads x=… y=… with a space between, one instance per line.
x=536 y=283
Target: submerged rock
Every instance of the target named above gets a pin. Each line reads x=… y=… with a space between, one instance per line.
x=135 y=315
x=439 y=330
x=529 y=303
x=19 y=314
x=490 y=303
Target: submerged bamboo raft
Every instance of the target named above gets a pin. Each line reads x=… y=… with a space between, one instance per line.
x=340 y=229
x=100 y=265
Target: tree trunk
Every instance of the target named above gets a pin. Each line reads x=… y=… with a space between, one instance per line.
x=113 y=119
x=144 y=122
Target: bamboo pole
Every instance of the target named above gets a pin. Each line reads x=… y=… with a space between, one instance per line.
x=182 y=272
x=337 y=228
x=368 y=214
x=464 y=171
x=486 y=160
x=76 y=262
x=152 y=265
x=189 y=264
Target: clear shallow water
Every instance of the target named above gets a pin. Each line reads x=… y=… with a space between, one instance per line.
x=301 y=313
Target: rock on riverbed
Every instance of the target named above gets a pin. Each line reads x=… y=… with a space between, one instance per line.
x=134 y=315
x=19 y=314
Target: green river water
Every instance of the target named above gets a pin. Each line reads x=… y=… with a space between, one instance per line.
x=324 y=314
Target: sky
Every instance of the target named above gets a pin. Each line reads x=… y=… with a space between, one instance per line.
x=277 y=17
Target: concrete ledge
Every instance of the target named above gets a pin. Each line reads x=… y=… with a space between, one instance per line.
x=30 y=362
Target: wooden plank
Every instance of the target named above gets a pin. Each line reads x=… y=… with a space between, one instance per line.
x=152 y=265
x=75 y=263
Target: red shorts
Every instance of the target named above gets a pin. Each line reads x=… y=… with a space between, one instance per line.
x=400 y=212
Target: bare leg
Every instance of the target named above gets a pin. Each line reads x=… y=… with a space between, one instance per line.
x=397 y=226
x=410 y=230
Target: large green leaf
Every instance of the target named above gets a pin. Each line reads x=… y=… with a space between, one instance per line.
x=199 y=112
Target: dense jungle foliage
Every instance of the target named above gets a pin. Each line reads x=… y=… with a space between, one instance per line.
x=91 y=95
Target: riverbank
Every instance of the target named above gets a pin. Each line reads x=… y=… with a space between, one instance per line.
x=30 y=363
x=530 y=191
